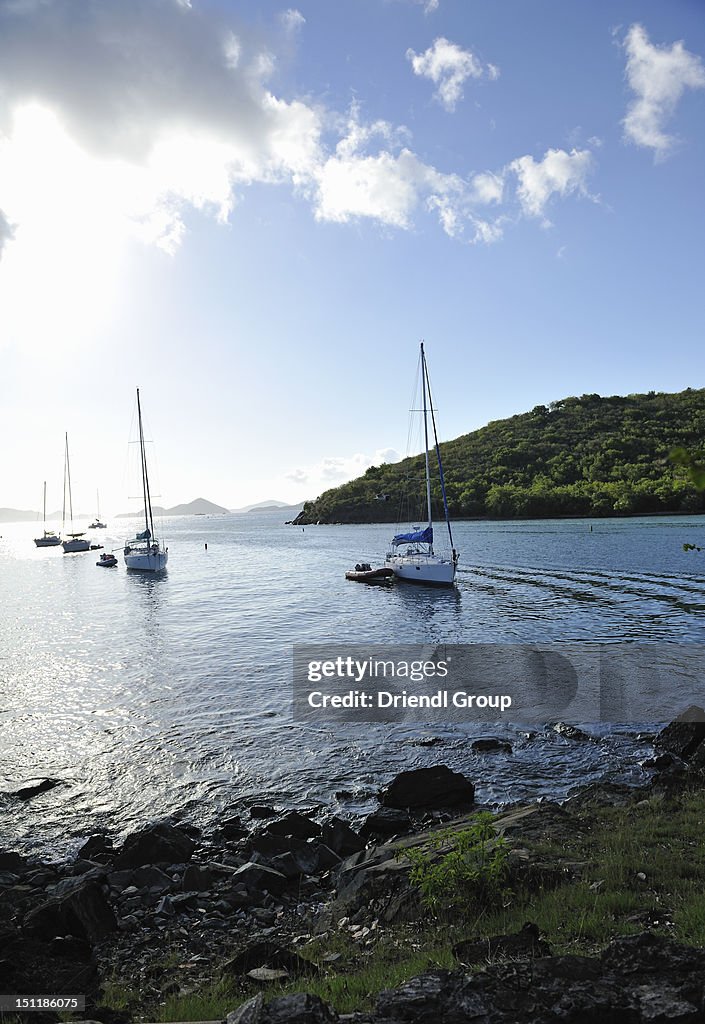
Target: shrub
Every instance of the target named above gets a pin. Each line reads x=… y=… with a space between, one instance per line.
x=461 y=872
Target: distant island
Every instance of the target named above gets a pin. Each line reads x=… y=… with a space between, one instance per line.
x=198 y=507
x=586 y=456
x=271 y=505
x=19 y=515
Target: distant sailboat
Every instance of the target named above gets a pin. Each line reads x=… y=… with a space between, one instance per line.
x=74 y=541
x=419 y=563
x=144 y=552
x=96 y=524
x=49 y=538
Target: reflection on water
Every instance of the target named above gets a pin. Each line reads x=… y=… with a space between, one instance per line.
x=162 y=694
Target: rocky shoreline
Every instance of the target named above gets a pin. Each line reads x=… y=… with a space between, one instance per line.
x=287 y=899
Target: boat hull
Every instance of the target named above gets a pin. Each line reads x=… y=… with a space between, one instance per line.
x=71 y=546
x=438 y=572
x=370 y=575
x=47 y=542
x=146 y=561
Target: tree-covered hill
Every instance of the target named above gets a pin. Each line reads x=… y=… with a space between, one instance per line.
x=588 y=456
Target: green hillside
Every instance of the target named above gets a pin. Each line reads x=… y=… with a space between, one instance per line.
x=588 y=456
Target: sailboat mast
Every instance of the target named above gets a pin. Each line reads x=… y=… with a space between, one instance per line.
x=440 y=470
x=68 y=476
x=425 y=431
x=63 y=506
x=148 y=518
x=45 y=506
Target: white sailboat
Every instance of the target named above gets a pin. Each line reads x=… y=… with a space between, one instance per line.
x=96 y=524
x=144 y=552
x=418 y=562
x=74 y=541
x=49 y=539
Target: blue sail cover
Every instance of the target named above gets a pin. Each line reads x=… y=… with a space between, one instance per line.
x=145 y=535
x=417 y=537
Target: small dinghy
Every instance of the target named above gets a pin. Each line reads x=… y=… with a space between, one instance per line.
x=107 y=560
x=364 y=573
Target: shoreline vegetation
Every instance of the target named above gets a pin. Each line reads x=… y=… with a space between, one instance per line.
x=578 y=457
x=540 y=912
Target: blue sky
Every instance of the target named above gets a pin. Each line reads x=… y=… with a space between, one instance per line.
x=255 y=212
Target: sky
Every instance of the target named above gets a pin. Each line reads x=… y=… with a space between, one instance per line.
x=255 y=212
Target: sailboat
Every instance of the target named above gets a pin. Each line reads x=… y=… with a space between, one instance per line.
x=49 y=539
x=144 y=551
x=96 y=524
x=418 y=562
x=74 y=541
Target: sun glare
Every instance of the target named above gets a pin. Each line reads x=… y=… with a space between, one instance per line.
x=59 y=275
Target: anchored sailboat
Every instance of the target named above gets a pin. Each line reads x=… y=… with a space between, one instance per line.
x=74 y=541
x=144 y=551
x=96 y=524
x=49 y=539
x=418 y=563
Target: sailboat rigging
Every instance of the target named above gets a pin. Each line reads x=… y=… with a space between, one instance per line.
x=74 y=541
x=144 y=551
x=97 y=524
x=49 y=539
x=419 y=563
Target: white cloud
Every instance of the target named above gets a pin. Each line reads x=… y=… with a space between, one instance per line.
x=6 y=231
x=334 y=470
x=448 y=66
x=488 y=187
x=559 y=173
x=387 y=185
x=298 y=476
x=115 y=120
x=292 y=19
x=658 y=76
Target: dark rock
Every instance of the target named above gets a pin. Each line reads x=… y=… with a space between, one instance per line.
x=603 y=794
x=300 y=1008
x=68 y=947
x=570 y=732
x=29 y=965
x=428 y=741
x=524 y=943
x=269 y=954
x=310 y=858
x=164 y=907
x=340 y=838
x=385 y=822
x=152 y=878
x=294 y=824
x=156 y=844
x=249 y=1013
x=491 y=743
x=261 y=811
x=259 y=877
x=84 y=911
x=429 y=788
x=10 y=861
x=269 y=846
x=661 y=762
x=27 y=792
x=239 y=897
x=684 y=735
x=196 y=879
x=96 y=848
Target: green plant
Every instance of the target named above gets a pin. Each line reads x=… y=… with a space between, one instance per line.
x=461 y=872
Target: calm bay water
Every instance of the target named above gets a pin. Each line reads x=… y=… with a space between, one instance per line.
x=149 y=697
